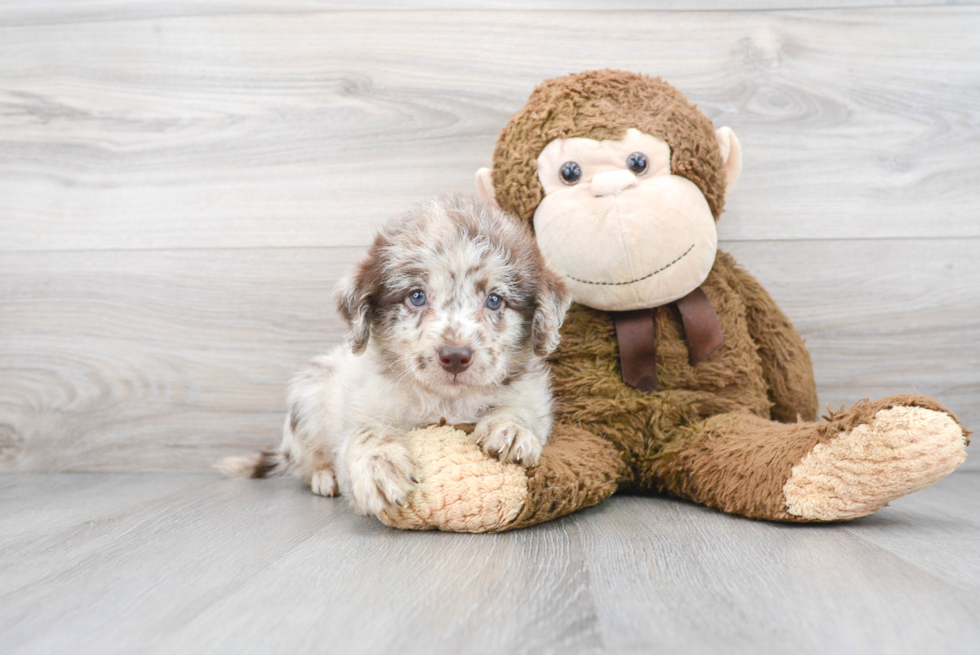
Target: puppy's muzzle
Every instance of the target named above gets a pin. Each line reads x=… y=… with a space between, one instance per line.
x=455 y=359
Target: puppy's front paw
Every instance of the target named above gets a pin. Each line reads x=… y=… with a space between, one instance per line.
x=507 y=441
x=323 y=483
x=380 y=473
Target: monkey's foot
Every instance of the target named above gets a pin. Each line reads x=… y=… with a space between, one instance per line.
x=902 y=449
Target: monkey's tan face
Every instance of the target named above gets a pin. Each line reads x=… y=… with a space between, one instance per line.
x=619 y=226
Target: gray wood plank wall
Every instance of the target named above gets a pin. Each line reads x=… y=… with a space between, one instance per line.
x=182 y=183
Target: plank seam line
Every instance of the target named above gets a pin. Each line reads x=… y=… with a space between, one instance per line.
x=363 y=246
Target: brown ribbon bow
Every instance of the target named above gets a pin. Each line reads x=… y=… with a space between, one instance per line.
x=638 y=346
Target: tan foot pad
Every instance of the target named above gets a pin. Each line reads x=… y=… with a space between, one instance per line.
x=460 y=489
x=902 y=450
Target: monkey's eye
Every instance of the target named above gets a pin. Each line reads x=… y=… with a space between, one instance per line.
x=570 y=173
x=494 y=302
x=417 y=298
x=637 y=162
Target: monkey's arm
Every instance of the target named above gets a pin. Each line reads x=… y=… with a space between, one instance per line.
x=462 y=490
x=577 y=470
x=785 y=360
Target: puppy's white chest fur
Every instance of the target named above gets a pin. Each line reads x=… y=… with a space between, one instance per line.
x=359 y=389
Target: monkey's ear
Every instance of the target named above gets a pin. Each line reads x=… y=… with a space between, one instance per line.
x=484 y=186
x=731 y=154
x=553 y=300
x=355 y=301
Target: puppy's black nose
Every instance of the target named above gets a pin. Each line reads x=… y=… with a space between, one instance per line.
x=455 y=359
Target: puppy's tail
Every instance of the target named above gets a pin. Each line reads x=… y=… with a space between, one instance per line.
x=257 y=465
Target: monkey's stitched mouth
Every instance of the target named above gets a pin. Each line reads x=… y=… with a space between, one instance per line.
x=639 y=279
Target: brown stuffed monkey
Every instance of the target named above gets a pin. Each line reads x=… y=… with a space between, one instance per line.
x=676 y=372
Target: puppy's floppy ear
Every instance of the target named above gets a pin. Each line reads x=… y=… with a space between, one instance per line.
x=357 y=296
x=552 y=301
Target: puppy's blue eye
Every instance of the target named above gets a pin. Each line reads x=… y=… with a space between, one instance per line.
x=417 y=298
x=494 y=302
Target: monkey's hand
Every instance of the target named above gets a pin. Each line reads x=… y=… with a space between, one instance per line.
x=462 y=489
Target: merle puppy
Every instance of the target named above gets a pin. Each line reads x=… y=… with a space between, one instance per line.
x=450 y=316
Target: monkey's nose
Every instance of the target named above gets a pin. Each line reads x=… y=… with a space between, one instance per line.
x=455 y=359
x=610 y=182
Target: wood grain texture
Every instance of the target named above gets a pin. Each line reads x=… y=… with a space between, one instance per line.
x=133 y=360
x=121 y=563
x=161 y=358
x=279 y=129
x=181 y=184
x=46 y=12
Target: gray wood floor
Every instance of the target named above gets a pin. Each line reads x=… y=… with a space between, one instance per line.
x=190 y=563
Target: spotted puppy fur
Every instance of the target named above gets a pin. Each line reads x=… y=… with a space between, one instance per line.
x=450 y=317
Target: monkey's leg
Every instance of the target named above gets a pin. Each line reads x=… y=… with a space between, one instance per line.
x=847 y=467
